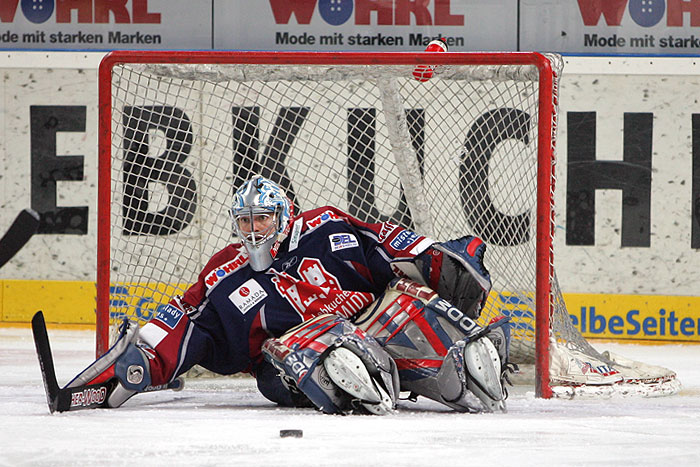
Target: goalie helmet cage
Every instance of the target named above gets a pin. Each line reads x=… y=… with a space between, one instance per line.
x=471 y=150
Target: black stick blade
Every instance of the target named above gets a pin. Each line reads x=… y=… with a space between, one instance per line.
x=43 y=352
x=25 y=225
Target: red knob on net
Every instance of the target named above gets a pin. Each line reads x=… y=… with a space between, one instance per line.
x=424 y=72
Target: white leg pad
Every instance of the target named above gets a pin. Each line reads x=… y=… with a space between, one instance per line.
x=348 y=371
x=484 y=374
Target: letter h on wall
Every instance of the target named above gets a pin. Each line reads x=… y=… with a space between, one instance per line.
x=632 y=175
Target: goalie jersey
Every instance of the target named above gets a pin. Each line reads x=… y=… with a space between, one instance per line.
x=329 y=263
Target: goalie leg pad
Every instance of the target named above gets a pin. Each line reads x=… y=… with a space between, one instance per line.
x=441 y=353
x=484 y=374
x=336 y=365
x=125 y=362
x=498 y=332
x=350 y=374
x=451 y=383
x=470 y=377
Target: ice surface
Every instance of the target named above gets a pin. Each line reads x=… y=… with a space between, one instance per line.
x=226 y=422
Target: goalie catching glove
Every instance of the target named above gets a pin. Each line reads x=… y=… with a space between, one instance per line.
x=333 y=363
x=455 y=270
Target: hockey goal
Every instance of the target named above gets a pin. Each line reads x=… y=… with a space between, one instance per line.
x=471 y=150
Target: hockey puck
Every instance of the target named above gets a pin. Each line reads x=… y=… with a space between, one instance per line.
x=291 y=433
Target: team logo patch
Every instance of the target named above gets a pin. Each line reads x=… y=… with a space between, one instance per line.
x=342 y=241
x=169 y=315
x=247 y=295
x=403 y=240
x=318 y=291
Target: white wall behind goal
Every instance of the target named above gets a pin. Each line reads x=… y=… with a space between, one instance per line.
x=638 y=240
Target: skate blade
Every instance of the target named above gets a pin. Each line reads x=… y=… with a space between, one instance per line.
x=484 y=378
x=385 y=406
x=349 y=373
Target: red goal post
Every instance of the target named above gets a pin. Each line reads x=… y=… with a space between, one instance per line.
x=344 y=128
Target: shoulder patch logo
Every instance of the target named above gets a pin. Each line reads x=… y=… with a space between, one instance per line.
x=322 y=218
x=169 y=315
x=247 y=295
x=341 y=241
x=403 y=240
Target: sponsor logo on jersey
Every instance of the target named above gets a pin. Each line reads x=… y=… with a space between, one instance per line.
x=289 y=263
x=322 y=218
x=296 y=233
x=169 y=315
x=347 y=303
x=247 y=295
x=342 y=241
x=403 y=240
x=387 y=228
x=88 y=397
x=225 y=270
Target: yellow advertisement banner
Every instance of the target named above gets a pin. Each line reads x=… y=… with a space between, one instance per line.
x=597 y=316
x=73 y=302
x=636 y=317
x=141 y=301
x=64 y=302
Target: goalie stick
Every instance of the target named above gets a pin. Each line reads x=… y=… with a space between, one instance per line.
x=89 y=396
x=25 y=225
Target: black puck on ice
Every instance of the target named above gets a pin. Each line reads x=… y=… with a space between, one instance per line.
x=291 y=433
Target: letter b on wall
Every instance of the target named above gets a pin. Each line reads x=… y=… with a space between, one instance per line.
x=142 y=170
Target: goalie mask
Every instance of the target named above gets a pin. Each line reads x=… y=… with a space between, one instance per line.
x=261 y=213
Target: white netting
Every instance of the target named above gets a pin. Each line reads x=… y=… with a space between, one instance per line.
x=463 y=155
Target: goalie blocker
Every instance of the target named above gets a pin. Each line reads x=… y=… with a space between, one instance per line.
x=455 y=270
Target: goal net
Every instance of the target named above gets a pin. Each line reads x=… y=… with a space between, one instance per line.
x=469 y=151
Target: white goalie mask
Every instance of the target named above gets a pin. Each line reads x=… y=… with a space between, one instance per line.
x=261 y=213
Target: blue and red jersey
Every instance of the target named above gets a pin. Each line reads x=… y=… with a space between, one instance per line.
x=329 y=263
